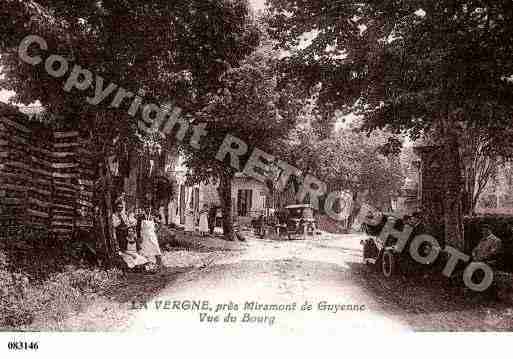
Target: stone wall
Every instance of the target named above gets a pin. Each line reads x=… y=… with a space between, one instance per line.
x=430 y=182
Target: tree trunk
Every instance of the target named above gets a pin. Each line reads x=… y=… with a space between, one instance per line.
x=99 y=226
x=452 y=201
x=113 y=245
x=467 y=206
x=225 y=195
x=99 y=221
x=355 y=207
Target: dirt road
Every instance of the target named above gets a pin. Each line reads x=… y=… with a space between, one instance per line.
x=307 y=288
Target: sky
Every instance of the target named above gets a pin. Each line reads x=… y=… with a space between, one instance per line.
x=257 y=4
x=4 y=95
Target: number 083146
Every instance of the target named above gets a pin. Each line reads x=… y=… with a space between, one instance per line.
x=23 y=345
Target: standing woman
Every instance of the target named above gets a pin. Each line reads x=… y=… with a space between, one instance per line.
x=150 y=246
x=203 y=220
x=212 y=213
x=189 y=217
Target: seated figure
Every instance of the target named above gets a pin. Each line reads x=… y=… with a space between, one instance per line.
x=489 y=248
x=130 y=255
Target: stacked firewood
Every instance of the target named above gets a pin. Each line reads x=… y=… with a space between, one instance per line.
x=25 y=177
x=46 y=179
x=65 y=187
x=86 y=177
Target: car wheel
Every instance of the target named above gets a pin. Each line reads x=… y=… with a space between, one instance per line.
x=388 y=264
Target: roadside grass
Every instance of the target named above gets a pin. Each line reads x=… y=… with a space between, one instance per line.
x=46 y=285
x=40 y=288
x=23 y=301
x=178 y=239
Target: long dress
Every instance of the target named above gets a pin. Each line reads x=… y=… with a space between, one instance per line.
x=127 y=249
x=131 y=257
x=203 y=221
x=121 y=222
x=150 y=245
x=189 y=221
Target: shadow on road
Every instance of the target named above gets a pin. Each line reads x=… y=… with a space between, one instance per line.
x=419 y=298
x=141 y=287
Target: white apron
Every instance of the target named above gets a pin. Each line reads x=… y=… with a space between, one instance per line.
x=150 y=245
x=132 y=258
x=189 y=222
x=203 y=222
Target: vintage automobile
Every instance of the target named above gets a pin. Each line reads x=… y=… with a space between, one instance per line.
x=299 y=221
x=293 y=222
x=384 y=253
x=262 y=224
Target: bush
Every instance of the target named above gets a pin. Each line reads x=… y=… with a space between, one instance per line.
x=23 y=301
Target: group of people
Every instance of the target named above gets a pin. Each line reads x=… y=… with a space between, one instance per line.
x=136 y=235
x=207 y=220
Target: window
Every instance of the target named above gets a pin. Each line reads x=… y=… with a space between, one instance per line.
x=244 y=197
x=268 y=202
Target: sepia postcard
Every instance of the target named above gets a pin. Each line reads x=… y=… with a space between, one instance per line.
x=299 y=177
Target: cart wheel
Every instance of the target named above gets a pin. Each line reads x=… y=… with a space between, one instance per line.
x=388 y=264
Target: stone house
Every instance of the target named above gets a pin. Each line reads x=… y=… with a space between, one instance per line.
x=250 y=198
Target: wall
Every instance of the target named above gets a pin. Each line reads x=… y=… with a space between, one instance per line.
x=430 y=182
x=259 y=191
x=207 y=194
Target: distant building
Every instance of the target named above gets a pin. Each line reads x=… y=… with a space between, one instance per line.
x=250 y=198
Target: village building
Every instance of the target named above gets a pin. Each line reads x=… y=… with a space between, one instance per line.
x=250 y=198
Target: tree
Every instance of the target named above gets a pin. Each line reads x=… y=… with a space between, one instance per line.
x=409 y=66
x=167 y=52
x=350 y=161
x=170 y=52
x=249 y=107
x=481 y=158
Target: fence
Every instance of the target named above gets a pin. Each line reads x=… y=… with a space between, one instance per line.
x=46 y=179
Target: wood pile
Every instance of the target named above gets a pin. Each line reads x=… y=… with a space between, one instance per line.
x=45 y=179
